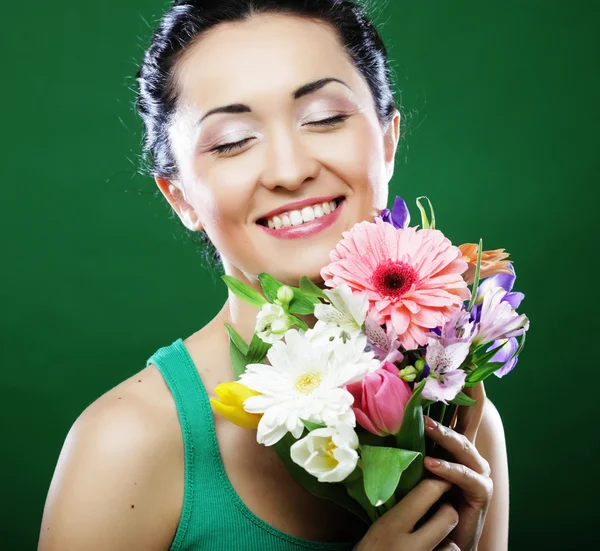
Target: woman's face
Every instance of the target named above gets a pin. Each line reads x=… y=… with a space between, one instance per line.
x=258 y=71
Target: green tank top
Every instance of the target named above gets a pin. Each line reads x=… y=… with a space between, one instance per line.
x=213 y=516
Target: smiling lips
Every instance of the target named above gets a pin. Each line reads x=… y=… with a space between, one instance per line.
x=298 y=217
x=301 y=223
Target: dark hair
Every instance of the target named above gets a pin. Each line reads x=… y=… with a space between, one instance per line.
x=187 y=19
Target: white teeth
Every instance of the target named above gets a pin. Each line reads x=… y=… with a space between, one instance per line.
x=308 y=214
x=295 y=218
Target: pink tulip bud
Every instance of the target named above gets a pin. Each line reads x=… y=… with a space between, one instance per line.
x=380 y=399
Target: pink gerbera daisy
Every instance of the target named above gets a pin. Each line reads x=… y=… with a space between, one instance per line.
x=411 y=277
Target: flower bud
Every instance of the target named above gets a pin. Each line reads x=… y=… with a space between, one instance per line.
x=420 y=365
x=409 y=373
x=230 y=404
x=285 y=294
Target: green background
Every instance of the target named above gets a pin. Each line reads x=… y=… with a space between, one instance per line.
x=501 y=132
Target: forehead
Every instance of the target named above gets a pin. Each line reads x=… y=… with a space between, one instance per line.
x=262 y=59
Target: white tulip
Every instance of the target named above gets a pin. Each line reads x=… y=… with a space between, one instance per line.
x=328 y=453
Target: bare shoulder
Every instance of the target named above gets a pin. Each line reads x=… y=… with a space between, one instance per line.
x=118 y=481
x=491 y=444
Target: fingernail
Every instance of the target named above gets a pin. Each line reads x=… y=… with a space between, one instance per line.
x=430 y=424
x=431 y=462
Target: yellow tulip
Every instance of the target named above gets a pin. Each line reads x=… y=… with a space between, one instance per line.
x=230 y=404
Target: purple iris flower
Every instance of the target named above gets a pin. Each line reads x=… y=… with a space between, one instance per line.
x=506 y=281
x=504 y=354
x=399 y=217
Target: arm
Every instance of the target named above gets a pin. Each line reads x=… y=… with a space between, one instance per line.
x=491 y=444
x=106 y=488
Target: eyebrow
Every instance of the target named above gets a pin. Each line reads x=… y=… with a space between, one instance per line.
x=304 y=90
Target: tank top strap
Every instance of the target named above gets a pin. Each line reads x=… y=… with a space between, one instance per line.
x=202 y=475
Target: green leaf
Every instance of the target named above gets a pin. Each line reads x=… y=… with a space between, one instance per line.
x=486 y=369
x=412 y=437
x=257 y=351
x=310 y=426
x=482 y=373
x=487 y=356
x=521 y=346
x=382 y=468
x=477 y=273
x=236 y=345
x=308 y=287
x=299 y=323
x=269 y=285
x=242 y=290
x=303 y=304
x=236 y=339
x=335 y=492
x=355 y=486
x=462 y=399
x=424 y=220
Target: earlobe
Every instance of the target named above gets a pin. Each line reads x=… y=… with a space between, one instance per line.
x=176 y=198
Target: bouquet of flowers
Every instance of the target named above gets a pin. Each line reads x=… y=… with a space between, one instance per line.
x=408 y=321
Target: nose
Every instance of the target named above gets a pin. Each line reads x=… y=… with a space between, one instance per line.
x=288 y=161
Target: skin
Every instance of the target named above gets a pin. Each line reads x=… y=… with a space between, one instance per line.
x=118 y=483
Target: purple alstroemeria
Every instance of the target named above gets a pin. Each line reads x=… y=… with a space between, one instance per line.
x=459 y=328
x=384 y=346
x=503 y=355
x=497 y=318
x=399 y=217
x=506 y=281
x=445 y=378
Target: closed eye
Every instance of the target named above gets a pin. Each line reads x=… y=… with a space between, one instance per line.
x=225 y=148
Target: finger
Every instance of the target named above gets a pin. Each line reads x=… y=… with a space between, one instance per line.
x=437 y=528
x=469 y=417
x=418 y=501
x=476 y=488
x=447 y=545
x=461 y=448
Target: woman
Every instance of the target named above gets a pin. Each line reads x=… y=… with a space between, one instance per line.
x=256 y=111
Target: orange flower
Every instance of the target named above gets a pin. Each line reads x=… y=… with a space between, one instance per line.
x=492 y=262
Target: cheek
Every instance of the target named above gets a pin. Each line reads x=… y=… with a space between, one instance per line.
x=357 y=157
x=224 y=192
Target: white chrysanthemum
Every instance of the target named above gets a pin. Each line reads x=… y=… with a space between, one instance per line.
x=345 y=315
x=328 y=453
x=271 y=323
x=304 y=381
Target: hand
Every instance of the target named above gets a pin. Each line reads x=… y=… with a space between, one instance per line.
x=471 y=472
x=395 y=530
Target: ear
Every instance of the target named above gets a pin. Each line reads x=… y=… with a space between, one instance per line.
x=391 y=137
x=174 y=195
